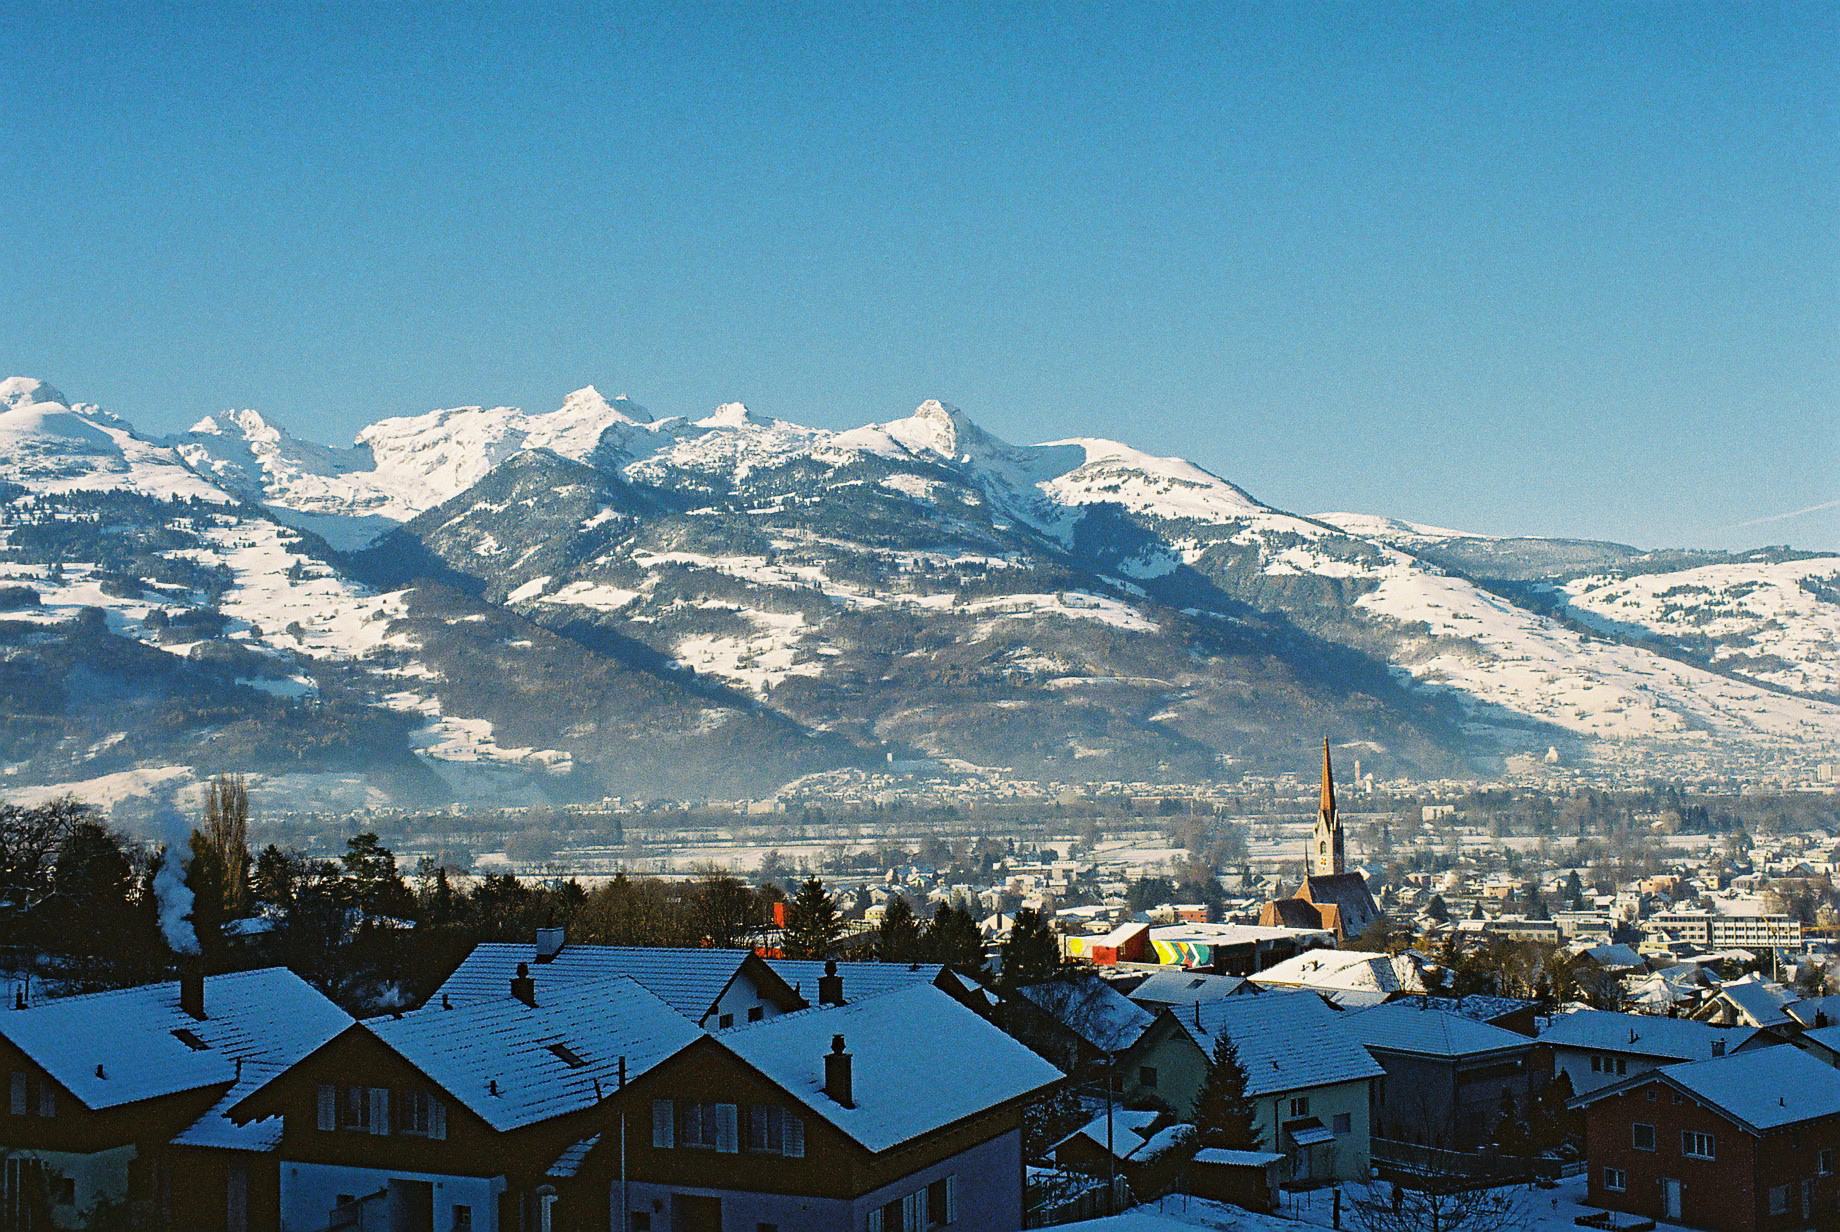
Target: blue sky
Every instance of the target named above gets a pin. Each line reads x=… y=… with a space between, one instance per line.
x=1540 y=268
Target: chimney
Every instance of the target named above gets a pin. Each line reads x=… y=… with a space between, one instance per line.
x=523 y=987
x=830 y=985
x=549 y=944
x=1718 y=1047
x=837 y=1074
x=191 y=987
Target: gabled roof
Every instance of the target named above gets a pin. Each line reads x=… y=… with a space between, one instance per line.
x=1129 y=1131
x=1184 y=987
x=1481 y=1007
x=1357 y=970
x=498 y=1057
x=1758 y=1001
x=114 y=1048
x=920 y=1061
x=1643 y=1035
x=1286 y=1040
x=690 y=981
x=860 y=979
x=1092 y=1009
x=1764 y=1089
x=1804 y=1011
x=1411 y=1026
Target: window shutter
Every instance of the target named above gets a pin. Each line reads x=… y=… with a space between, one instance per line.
x=913 y=1210
x=727 y=1124
x=795 y=1136
x=952 y=1198
x=17 y=1093
x=380 y=1110
x=663 y=1136
x=875 y=1220
x=328 y=1106
x=437 y=1118
x=47 y=1099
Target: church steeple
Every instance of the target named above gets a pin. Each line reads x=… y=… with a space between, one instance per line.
x=1326 y=854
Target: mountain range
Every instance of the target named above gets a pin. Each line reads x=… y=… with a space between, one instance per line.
x=482 y=604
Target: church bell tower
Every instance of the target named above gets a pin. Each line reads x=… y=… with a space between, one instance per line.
x=1326 y=856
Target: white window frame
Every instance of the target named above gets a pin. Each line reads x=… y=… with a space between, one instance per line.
x=1618 y=1185
x=1691 y=1139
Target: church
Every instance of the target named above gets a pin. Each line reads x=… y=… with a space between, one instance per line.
x=1330 y=897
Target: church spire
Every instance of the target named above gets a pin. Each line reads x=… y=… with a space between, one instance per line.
x=1327 y=857
x=1328 y=782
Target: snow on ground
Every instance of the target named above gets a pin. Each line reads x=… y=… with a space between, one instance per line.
x=450 y=745
x=757 y=662
x=1756 y=609
x=56 y=447
x=1072 y=604
x=1503 y=655
x=109 y=792
x=593 y=595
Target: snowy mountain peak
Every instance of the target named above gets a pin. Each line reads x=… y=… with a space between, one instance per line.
x=938 y=428
x=247 y=424
x=731 y=415
x=588 y=403
x=29 y=391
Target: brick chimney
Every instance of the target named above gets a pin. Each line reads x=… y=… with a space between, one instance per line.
x=549 y=944
x=1718 y=1047
x=837 y=1083
x=830 y=985
x=523 y=987
x=191 y=986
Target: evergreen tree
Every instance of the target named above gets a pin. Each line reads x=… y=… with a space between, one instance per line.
x=1437 y=910
x=897 y=937
x=953 y=938
x=370 y=872
x=812 y=926
x=1225 y=1115
x=1031 y=953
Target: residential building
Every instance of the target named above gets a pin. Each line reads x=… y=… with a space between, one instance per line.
x=1449 y=1079
x=1741 y=1143
x=1311 y=1081
x=1596 y=1048
x=119 y=1095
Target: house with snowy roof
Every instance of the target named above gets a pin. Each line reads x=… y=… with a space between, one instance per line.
x=1752 y=1001
x=1449 y=1079
x=1170 y=988
x=1309 y=1078
x=124 y=1094
x=893 y=1113
x=1079 y=1021
x=1746 y=1142
x=1595 y=1048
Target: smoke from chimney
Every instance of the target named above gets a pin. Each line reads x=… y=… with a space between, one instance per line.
x=175 y=897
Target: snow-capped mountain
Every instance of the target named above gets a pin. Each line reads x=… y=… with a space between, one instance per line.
x=592 y=600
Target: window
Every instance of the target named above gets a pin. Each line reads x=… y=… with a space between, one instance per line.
x=1146 y=1076
x=664 y=1124
x=708 y=1127
x=18 y=1092
x=641 y=1221
x=1654 y=1093
x=1622 y=1065
x=47 y=1099
x=1615 y=1180
x=725 y=1021
x=421 y=1114
x=1642 y=1137
x=1779 y=1200
x=772 y=1130
x=1300 y=1106
x=1344 y=1122
x=1824 y=1163
x=64 y=1192
x=463 y=1219
x=942 y=1202
x=756 y=1013
x=1696 y=1144
x=1597 y=1064
x=355 y=1108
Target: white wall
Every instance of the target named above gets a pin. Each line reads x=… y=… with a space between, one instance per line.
x=310 y=1191
x=99 y=1176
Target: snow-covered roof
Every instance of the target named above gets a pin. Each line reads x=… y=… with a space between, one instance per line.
x=920 y=1061
x=1130 y=1128
x=1614 y=957
x=119 y=1047
x=860 y=979
x=1758 y=1000
x=1221 y=1155
x=690 y=981
x=1679 y=1039
x=1764 y=1089
x=1410 y=1026
x=1350 y=969
x=1285 y=1040
x=1093 y=1010
x=1182 y=987
x=1805 y=1012
x=513 y=1064
x=569 y=1162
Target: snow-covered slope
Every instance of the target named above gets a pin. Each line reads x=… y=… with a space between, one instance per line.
x=1778 y=622
x=592 y=596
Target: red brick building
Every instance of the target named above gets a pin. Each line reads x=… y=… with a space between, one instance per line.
x=1743 y=1143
